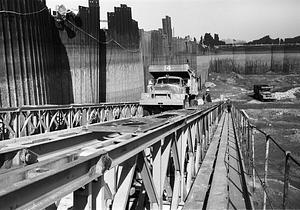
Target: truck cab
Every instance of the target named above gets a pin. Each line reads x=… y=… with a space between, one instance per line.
x=263 y=92
x=170 y=83
x=172 y=86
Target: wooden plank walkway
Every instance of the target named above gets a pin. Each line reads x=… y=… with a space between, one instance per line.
x=219 y=182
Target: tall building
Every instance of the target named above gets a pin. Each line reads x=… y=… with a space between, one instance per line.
x=167 y=27
x=122 y=28
x=167 y=30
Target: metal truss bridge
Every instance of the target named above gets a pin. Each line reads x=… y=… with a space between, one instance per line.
x=108 y=156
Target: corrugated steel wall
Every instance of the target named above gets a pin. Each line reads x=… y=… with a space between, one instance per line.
x=155 y=50
x=124 y=63
x=125 y=75
x=280 y=59
x=34 y=67
x=43 y=65
x=48 y=62
x=83 y=53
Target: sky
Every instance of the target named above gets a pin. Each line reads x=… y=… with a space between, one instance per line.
x=236 y=19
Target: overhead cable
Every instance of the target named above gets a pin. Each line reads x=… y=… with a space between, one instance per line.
x=107 y=42
x=22 y=14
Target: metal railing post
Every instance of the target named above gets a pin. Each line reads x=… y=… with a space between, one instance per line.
x=248 y=146
x=198 y=147
x=286 y=179
x=15 y=124
x=84 y=117
x=252 y=158
x=210 y=127
x=240 y=126
x=266 y=170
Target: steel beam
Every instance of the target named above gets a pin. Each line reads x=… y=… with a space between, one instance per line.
x=126 y=172
x=144 y=169
x=57 y=181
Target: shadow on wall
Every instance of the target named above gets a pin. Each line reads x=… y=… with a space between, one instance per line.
x=60 y=87
x=35 y=68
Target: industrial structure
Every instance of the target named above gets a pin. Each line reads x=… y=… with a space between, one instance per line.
x=202 y=157
x=71 y=124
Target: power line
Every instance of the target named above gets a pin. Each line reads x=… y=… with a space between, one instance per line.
x=22 y=14
x=91 y=36
x=111 y=40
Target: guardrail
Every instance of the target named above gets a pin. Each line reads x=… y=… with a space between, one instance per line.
x=259 y=150
x=29 y=120
x=159 y=160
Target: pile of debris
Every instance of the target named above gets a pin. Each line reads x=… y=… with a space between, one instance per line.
x=290 y=94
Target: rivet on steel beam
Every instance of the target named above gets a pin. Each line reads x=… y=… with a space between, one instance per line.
x=28 y=157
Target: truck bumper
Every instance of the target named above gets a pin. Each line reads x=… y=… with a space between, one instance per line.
x=160 y=102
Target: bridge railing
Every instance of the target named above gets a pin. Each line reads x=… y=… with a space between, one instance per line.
x=271 y=168
x=161 y=159
x=29 y=120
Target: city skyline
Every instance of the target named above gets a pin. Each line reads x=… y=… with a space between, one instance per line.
x=236 y=19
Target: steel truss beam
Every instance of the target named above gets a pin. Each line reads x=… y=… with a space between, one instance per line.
x=29 y=120
x=150 y=169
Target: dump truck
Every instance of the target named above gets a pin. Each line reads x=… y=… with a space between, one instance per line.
x=263 y=92
x=172 y=87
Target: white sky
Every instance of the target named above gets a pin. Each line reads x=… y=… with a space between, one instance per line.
x=238 y=19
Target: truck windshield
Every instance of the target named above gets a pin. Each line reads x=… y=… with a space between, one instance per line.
x=168 y=81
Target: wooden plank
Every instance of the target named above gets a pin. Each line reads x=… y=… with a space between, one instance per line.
x=218 y=196
x=196 y=197
x=236 y=199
